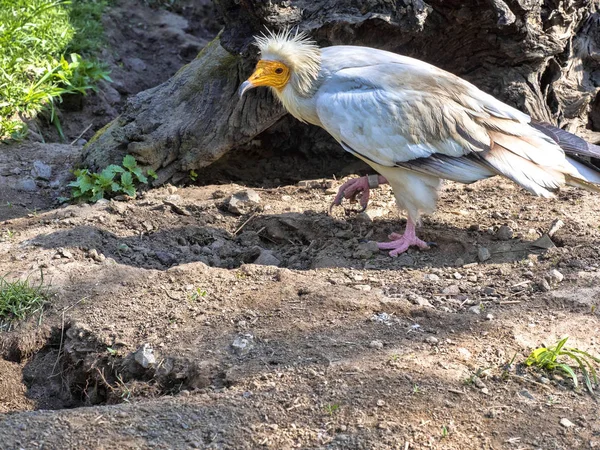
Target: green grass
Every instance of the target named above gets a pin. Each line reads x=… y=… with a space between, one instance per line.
x=20 y=299
x=553 y=358
x=41 y=43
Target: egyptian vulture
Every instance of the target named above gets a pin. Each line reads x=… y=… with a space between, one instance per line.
x=415 y=125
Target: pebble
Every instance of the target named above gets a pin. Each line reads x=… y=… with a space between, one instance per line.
x=376 y=344
x=267 y=258
x=457 y=276
x=483 y=254
x=489 y=290
x=243 y=201
x=41 y=171
x=366 y=250
x=464 y=353
x=431 y=277
x=556 y=225
x=362 y=287
x=504 y=233
x=566 y=423
x=432 y=340
x=544 y=242
x=99 y=257
x=475 y=309
x=144 y=356
x=544 y=286
x=242 y=344
x=165 y=258
x=555 y=275
x=453 y=289
x=27 y=185
x=380 y=403
x=489 y=317
x=479 y=383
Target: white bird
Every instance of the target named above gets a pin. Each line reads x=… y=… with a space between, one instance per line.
x=415 y=124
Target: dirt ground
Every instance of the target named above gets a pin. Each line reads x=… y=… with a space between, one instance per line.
x=184 y=320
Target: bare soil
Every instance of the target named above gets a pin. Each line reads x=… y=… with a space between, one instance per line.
x=336 y=346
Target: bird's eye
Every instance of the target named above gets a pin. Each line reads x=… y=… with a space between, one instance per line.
x=279 y=71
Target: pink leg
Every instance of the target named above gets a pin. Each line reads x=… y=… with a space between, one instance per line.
x=401 y=243
x=351 y=188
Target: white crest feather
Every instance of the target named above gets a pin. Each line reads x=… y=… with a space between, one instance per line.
x=297 y=51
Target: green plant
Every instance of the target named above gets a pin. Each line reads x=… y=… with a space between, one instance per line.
x=444 y=431
x=197 y=295
x=35 y=36
x=331 y=409
x=547 y=358
x=193 y=175
x=20 y=299
x=113 y=180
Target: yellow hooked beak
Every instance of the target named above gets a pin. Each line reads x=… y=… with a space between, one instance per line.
x=267 y=73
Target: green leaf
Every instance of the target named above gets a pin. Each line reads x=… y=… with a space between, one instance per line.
x=152 y=174
x=569 y=371
x=127 y=179
x=139 y=175
x=129 y=162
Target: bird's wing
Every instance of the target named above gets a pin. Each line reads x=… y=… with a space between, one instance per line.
x=398 y=115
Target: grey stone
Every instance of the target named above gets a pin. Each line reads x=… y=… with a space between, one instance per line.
x=243 y=202
x=556 y=276
x=483 y=254
x=453 y=289
x=556 y=225
x=566 y=423
x=166 y=258
x=366 y=250
x=504 y=233
x=144 y=356
x=544 y=242
x=267 y=258
x=376 y=344
x=41 y=171
x=242 y=344
x=27 y=184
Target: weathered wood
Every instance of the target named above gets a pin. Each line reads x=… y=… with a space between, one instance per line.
x=540 y=56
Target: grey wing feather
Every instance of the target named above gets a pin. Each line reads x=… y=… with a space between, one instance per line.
x=571 y=144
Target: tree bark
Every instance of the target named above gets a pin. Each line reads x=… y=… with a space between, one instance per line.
x=541 y=56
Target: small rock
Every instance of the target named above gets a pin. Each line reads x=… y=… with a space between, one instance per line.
x=544 y=286
x=41 y=171
x=457 y=276
x=431 y=277
x=99 y=257
x=243 y=344
x=65 y=253
x=544 y=242
x=465 y=354
x=27 y=185
x=556 y=225
x=504 y=233
x=376 y=344
x=380 y=403
x=475 y=309
x=483 y=254
x=366 y=250
x=566 y=423
x=144 y=356
x=453 y=289
x=362 y=287
x=459 y=262
x=267 y=258
x=489 y=290
x=286 y=198
x=166 y=258
x=489 y=317
x=555 y=275
x=432 y=340
x=243 y=202
x=382 y=318
x=485 y=390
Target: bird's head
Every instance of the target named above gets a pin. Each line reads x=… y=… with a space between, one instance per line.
x=286 y=58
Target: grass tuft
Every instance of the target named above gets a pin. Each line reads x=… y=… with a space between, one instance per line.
x=20 y=299
x=40 y=46
x=547 y=358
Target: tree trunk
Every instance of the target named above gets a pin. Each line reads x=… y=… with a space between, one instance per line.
x=541 y=56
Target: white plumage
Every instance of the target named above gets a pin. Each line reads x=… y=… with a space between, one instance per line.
x=415 y=124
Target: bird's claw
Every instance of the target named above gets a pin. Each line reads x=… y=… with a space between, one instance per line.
x=355 y=190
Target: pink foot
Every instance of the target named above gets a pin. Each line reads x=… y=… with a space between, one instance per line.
x=351 y=188
x=401 y=242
